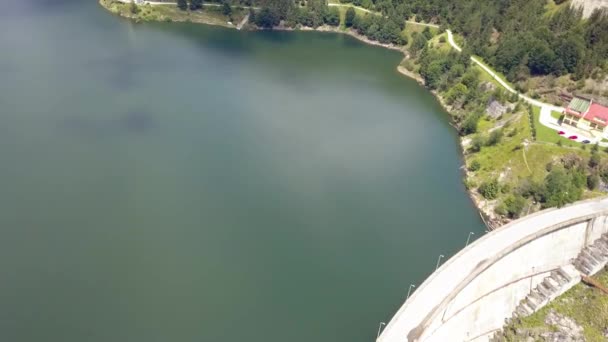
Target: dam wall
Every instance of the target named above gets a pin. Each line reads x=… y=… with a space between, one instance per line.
x=474 y=292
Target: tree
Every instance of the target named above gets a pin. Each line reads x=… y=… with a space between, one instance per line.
x=196 y=4
x=512 y=206
x=427 y=33
x=332 y=17
x=475 y=166
x=562 y=187
x=456 y=92
x=350 y=17
x=495 y=137
x=133 y=8
x=593 y=181
x=489 y=189
x=182 y=4
x=266 y=18
x=595 y=160
x=419 y=42
x=469 y=126
x=226 y=9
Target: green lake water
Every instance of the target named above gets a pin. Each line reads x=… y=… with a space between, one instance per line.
x=174 y=182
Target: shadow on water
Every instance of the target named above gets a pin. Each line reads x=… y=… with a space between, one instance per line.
x=136 y=121
x=14 y=7
x=118 y=69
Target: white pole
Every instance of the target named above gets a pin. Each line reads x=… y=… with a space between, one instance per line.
x=438 y=261
x=409 y=291
x=469 y=238
x=379 y=328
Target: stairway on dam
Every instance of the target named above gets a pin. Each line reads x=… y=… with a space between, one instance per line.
x=591 y=260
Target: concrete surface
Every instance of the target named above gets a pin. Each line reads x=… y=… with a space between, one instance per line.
x=471 y=295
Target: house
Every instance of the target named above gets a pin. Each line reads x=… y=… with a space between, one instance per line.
x=587 y=115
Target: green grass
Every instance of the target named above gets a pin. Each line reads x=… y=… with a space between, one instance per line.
x=556 y=115
x=585 y=305
x=209 y=15
x=548 y=135
x=551 y=7
x=507 y=157
x=343 y=9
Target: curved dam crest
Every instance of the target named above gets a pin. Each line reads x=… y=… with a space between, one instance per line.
x=514 y=270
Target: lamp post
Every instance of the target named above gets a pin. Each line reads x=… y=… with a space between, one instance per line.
x=380 y=328
x=409 y=291
x=469 y=238
x=438 y=261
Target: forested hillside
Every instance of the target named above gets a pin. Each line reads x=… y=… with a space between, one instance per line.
x=521 y=38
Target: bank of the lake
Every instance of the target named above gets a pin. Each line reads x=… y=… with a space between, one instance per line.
x=178 y=182
x=216 y=18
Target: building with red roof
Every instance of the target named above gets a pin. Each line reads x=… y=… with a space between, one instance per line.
x=586 y=114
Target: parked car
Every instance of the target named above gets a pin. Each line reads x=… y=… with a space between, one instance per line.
x=573 y=137
x=561 y=132
x=586 y=142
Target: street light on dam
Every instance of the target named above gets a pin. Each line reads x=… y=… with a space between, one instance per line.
x=438 y=261
x=410 y=291
x=380 y=328
x=469 y=238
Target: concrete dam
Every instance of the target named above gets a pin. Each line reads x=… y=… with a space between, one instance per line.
x=512 y=271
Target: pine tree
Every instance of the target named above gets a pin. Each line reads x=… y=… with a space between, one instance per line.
x=182 y=4
x=196 y=4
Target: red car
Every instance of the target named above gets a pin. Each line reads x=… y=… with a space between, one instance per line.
x=561 y=132
x=573 y=137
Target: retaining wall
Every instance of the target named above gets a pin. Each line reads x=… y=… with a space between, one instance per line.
x=471 y=295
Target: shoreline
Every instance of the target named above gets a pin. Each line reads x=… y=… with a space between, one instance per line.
x=487 y=218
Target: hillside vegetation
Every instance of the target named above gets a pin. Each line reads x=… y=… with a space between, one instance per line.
x=514 y=165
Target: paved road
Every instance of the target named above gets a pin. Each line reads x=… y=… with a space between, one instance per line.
x=545 y=109
x=378 y=13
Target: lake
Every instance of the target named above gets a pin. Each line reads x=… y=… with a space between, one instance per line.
x=175 y=182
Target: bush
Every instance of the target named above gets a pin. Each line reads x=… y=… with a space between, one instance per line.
x=350 y=17
x=475 y=166
x=593 y=181
x=469 y=126
x=332 y=17
x=495 y=137
x=133 y=7
x=489 y=190
x=477 y=143
x=562 y=187
x=512 y=206
x=226 y=9
x=595 y=160
x=469 y=184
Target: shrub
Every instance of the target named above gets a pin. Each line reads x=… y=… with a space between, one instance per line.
x=593 y=181
x=350 y=17
x=474 y=166
x=595 y=160
x=477 y=143
x=495 y=137
x=489 y=190
x=512 y=206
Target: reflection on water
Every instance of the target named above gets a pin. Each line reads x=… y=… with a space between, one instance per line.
x=171 y=182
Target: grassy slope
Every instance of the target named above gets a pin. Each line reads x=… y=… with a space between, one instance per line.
x=507 y=158
x=209 y=15
x=586 y=305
